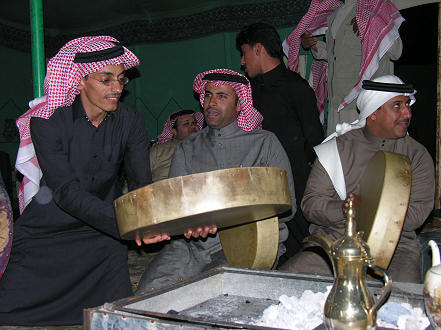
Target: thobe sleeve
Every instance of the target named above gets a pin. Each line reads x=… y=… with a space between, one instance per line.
x=422 y=192
x=154 y=162
x=277 y=157
x=321 y=204
x=321 y=53
x=395 y=50
x=136 y=156
x=179 y=165
x=65 y=187
x=309 y=119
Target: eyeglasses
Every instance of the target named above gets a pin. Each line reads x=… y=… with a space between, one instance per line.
x=109 y=82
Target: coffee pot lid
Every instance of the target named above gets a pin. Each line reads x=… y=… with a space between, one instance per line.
x=351 y=245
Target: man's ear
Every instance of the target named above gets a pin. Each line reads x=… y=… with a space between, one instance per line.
x=258 y=48
x=81 y=84
x=175 y=132
x=238 y=107
x=373 y=116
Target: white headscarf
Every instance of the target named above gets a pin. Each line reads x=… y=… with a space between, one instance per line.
x=369 y=101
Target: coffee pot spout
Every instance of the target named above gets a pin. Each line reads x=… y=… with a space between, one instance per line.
x=324 y=242
x=435 y=253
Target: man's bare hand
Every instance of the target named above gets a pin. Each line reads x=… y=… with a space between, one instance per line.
x=308 y=41
x=200 y=231
x=355 y=203
x=151 y=238
x=355 y=27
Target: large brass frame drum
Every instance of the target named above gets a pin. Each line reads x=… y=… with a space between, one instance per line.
x=253 y=245
x=384 y=193
x=226 y=198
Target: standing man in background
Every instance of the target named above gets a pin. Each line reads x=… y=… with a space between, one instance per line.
x=289 y=107
x=361 y=40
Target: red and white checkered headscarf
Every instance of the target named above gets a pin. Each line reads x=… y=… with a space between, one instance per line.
x=378 y=22
x=249 y=117
x=60 y=88
x=167 y=132
x=313 y=21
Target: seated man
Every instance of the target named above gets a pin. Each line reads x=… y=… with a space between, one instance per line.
x=232 y=139
x=384 y=118
x=178 y=126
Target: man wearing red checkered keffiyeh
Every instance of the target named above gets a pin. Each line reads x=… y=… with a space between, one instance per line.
x=248 y=117
x=60 y=89
x=172 y=130
x=232 y=138
x=66 y=252
x=177 y=127
x=361 y=40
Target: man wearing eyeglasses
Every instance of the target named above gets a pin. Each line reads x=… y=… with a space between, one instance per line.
x=67 y=254
x=177 y=127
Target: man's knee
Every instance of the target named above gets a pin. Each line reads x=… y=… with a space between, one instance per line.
x=405 y=264
x=312 y=260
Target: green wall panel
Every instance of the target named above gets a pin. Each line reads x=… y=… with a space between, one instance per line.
x=16 y=91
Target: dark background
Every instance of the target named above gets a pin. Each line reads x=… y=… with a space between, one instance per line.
x=418 y=65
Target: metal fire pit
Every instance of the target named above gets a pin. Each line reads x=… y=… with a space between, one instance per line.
x=222 y=298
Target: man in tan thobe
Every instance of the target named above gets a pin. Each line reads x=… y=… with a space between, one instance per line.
x=383 y=122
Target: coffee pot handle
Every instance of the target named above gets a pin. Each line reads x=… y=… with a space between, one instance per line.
x=387 y=288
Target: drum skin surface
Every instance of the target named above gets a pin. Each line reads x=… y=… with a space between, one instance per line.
x=226 y=198
x=384 y=199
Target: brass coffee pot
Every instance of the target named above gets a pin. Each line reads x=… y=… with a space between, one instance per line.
x=350 y=303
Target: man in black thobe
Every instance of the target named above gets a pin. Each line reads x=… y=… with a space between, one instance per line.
x=67 y=254
x=289 y=107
